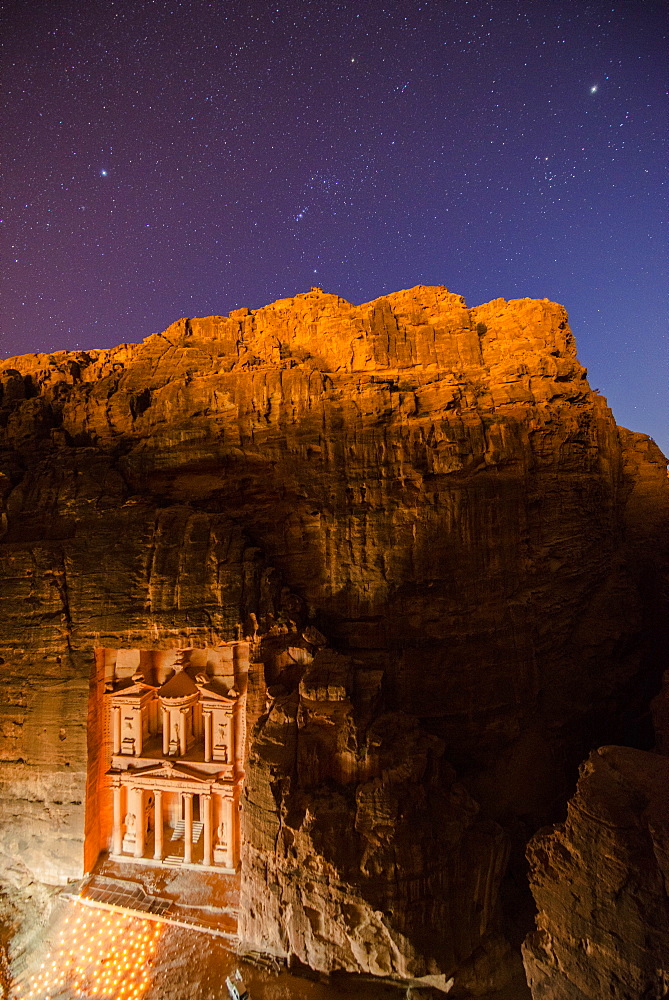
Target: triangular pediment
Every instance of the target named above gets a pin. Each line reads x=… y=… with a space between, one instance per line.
x=180 y=685
x=168 y=769
x=183 y=771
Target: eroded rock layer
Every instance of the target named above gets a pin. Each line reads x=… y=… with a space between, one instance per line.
x=601 y=883
x=437 y=490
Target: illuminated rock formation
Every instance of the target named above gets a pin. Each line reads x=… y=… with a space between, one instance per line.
x=601 y=883
x=434 y=488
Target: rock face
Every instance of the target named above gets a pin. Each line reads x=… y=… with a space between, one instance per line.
x=362 y=852
x=601 y=883
x=434 y=488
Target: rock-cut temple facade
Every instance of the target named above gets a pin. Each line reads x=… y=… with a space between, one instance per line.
x=175 y=735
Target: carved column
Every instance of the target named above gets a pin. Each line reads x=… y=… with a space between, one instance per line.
x=117 y=833
x=188 y=827
x=182 y=732
x=139 y=729
x=238 y=716
x=205 y=805
x=140 y=822
x=158 y=825
x=166 y=732
x=228 y=815
x=207 y=736
x=116 y=727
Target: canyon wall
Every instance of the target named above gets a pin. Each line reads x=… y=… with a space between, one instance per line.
x=601 y=883
x=361 y=851
x=438 y=491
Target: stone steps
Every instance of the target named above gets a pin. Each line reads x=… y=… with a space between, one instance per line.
x=179 y=830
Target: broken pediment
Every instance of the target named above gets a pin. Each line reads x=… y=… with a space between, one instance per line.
x=134 y=691
x=211 y=693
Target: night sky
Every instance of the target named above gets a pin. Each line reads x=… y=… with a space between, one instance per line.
x=184 y=159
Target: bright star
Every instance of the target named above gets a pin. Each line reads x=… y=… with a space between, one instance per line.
x=103 y=173
x=594 y=89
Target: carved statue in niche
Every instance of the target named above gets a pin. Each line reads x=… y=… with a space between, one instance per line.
x=130 y=837
x=221 y=845
x=130 y=834
x=128 y=742
x=221 y=746
x=251 y=627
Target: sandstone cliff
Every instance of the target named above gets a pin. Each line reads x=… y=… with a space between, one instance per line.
x=437 y=489
x=362 y=852
x=601 y=883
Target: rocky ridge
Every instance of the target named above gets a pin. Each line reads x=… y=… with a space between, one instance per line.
x=439 y=491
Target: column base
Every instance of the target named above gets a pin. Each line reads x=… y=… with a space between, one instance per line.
x=194 y=866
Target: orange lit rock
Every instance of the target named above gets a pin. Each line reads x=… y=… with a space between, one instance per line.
x=434 y=488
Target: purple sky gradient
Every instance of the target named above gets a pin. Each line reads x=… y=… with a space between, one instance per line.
x=170 y=159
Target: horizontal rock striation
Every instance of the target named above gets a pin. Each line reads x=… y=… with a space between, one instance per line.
x=434 y=488
x=601 y=884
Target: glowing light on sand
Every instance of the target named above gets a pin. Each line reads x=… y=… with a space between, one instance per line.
x=97 y=955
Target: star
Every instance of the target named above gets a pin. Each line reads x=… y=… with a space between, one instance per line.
x=103 y=173
x=594 y=88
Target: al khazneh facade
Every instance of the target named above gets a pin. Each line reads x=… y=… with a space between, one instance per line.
x=175 y=729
